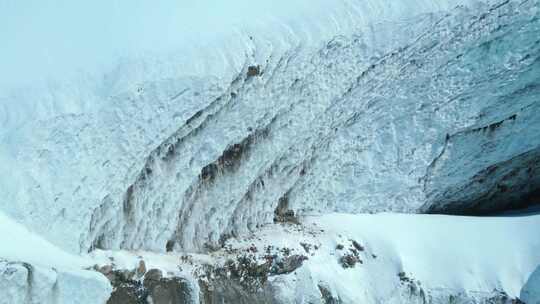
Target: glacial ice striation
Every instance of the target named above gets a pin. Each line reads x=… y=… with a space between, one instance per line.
x=409 y=107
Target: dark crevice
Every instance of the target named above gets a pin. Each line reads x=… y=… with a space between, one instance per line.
x=164 y=153
x=231 y=158
x=227 y=163
x=29 y=281
x=509 y=185
x=491 y=127
x=282 y=213
x=448 y=138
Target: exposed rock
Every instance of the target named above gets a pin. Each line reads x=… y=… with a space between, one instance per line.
x=105 y=269
x=288 y=264
x=254 y=70
x=245 y=280
x=153 y=289
x=126 y=288
x=169 y=246
x=171 y=291
x=501 y=297
x=152 y=277
x=348 y=260
x=282 y=213
x=327 y=297
x=228 y=291
x=126 y=294
x=141 y=270
x=403 y=277
x=357 y=246
x=307 y=247
x=116 y=276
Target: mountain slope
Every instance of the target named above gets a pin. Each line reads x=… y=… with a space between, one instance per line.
x=218 y=120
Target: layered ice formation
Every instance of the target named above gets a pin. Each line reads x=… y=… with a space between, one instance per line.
x=179 y=126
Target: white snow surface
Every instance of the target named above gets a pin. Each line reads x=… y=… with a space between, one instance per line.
x=444 y=252
x=24 y=283
x=34 y=271
x=469 y=258
x=19 y=244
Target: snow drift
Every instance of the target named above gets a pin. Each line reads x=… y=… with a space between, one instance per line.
x=383 y=258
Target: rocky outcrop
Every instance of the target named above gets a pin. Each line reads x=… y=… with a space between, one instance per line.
x=245 y=280
x=134 y=287
x=168 y=290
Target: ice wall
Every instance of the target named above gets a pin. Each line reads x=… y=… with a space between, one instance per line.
x=352 y=106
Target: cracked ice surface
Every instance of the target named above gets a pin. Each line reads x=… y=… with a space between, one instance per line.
x=361 y=106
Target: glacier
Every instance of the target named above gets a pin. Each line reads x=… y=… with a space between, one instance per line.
x=178 y=128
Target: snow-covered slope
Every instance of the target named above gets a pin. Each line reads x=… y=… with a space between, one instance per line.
x=446 y=254
x=394 y=259
x=33 y=271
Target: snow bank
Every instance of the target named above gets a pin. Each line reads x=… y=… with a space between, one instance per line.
x=445 y=252
x=19 y=244
x=34 y=271
x=410 y=258
x=395 y=259
x=25 y=283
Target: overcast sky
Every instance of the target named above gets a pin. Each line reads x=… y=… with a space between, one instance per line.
x=44 y=39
